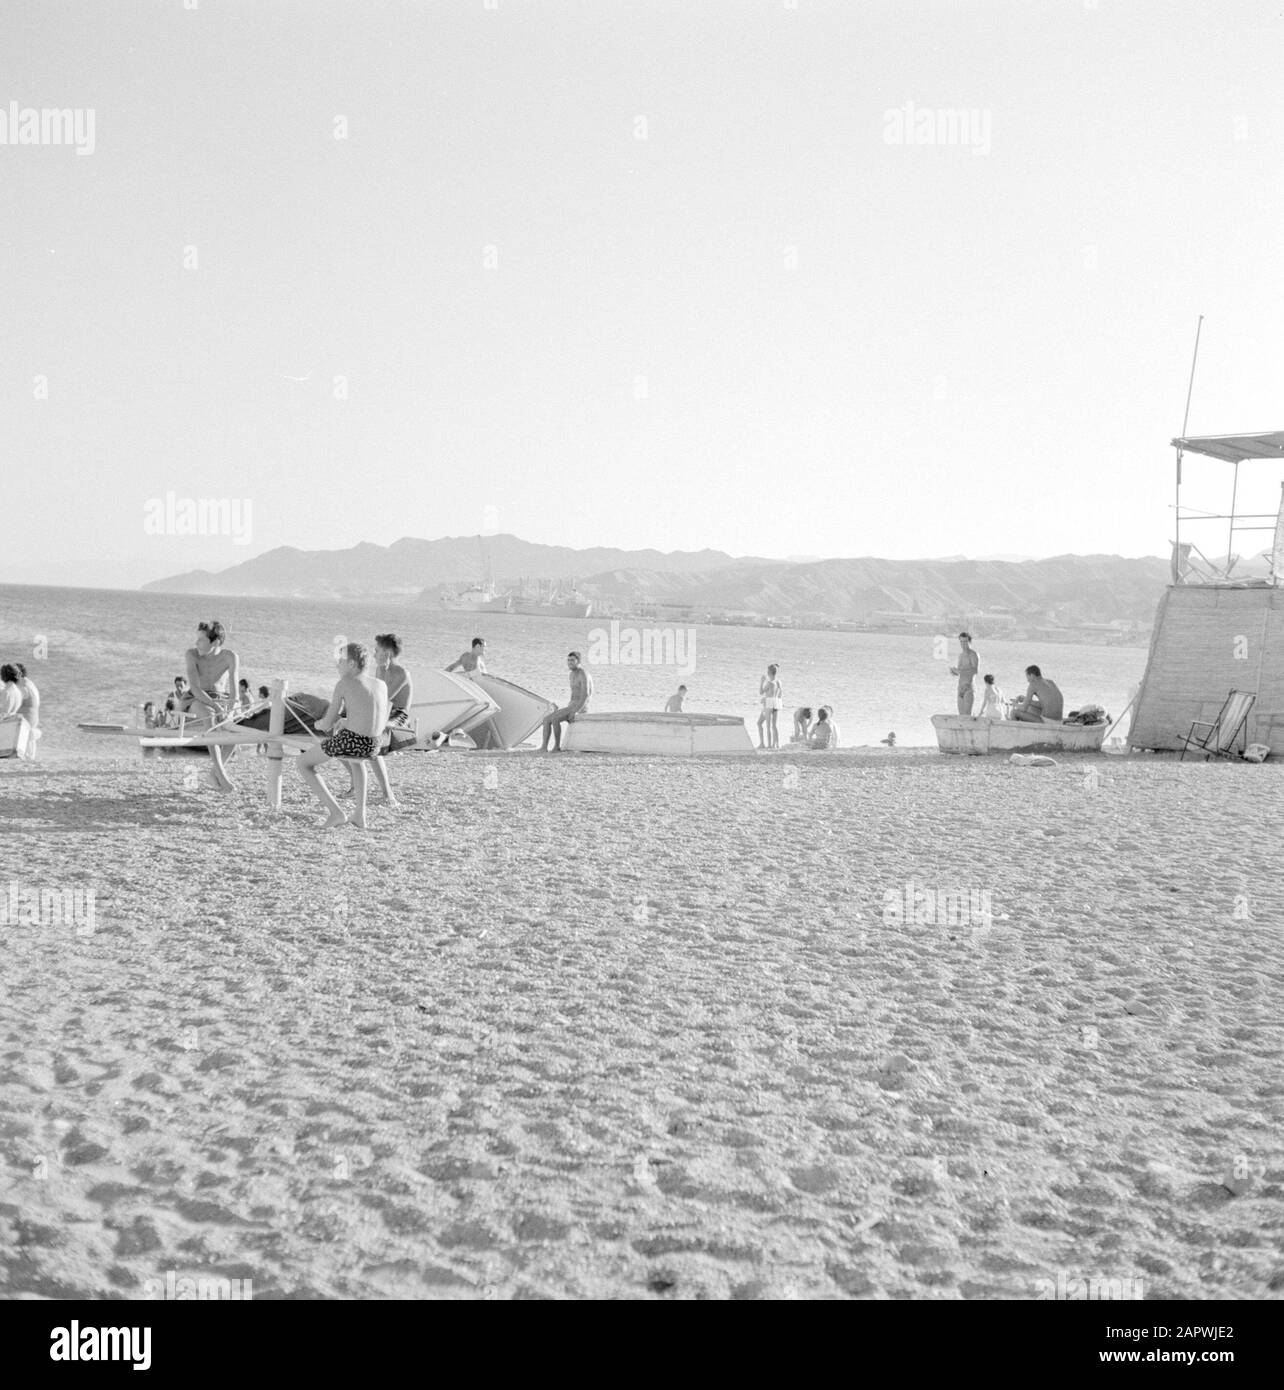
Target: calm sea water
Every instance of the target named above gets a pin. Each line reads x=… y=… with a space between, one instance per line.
x=108 y=650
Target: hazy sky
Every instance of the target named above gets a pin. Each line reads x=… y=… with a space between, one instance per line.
x=762 y=327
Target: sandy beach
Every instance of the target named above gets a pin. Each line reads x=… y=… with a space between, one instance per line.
x=579 y=1027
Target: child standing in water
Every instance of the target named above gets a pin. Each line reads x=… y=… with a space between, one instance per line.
x=773 y=700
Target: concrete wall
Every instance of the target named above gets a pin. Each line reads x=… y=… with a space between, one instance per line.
x=1207 y=641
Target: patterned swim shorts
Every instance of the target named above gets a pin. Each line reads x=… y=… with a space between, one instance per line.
x=346 y=744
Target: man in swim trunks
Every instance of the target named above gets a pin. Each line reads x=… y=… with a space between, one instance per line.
x=581 y=690
x=969 y=665
x=472 y=661
x=357 y=714
x=400 y=698
x=1042 y=702
x=213 y=675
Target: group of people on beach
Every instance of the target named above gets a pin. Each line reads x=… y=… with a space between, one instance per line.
x=818 y=732
x=179 y=702
x=1041 y=703
x=368 y=702
x=19 y=699
x=372 y=698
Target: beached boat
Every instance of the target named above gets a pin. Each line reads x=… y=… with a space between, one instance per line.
x=961 y=733
x=648 y=732
x=519 y=712
x=445 y=702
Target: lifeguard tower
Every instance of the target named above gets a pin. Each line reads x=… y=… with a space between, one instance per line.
x=1220 y=625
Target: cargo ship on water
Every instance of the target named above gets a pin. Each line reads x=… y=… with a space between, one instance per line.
x=481 y=598
x=549 y=600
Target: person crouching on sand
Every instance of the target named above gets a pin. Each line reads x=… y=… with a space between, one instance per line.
x=581 y=690
x=357 y=713
x=802 y=724
x=773 y=699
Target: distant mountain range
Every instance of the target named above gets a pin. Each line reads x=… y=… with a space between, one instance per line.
x=408 y=567
x=1067 y=589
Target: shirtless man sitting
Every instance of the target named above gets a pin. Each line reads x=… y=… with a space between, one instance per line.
x=581 y=690
x=1042 y=702
x=213 y=676
x=357 y=713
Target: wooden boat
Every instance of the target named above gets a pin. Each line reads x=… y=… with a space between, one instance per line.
x=961 y=733
x=648 y=732
x=445 y=702
x=518 y=713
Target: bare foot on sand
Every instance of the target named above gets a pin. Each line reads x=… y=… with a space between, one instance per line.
x=358 y=818
x=334 y=820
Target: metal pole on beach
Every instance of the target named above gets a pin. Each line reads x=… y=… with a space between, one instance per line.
x=1185 y=422
x=276 y=751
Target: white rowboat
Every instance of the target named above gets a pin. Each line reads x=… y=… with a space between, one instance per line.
x=646 y=732
x=961 y=733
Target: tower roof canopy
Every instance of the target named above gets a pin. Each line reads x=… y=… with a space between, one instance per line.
x=1235 y=448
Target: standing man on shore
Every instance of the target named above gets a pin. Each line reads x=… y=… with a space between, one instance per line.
x=213 y=675
x=581 y=690
x=969 y=665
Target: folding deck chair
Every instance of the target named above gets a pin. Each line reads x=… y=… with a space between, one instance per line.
x=1221 y=735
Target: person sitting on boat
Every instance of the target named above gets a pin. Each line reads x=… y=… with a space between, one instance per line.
x=213 y=673
x=992 y=702
x=243 y=697
x=355 y=718
x=581 y=691
x=1042 y=702
x=802 y=724
x=10 y=693
x=471 y=661
x=823 y=736
x=674 y=703
x=969 y=664
x=151 y=720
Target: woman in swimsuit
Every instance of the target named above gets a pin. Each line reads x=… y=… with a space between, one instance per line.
x=773 y=700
